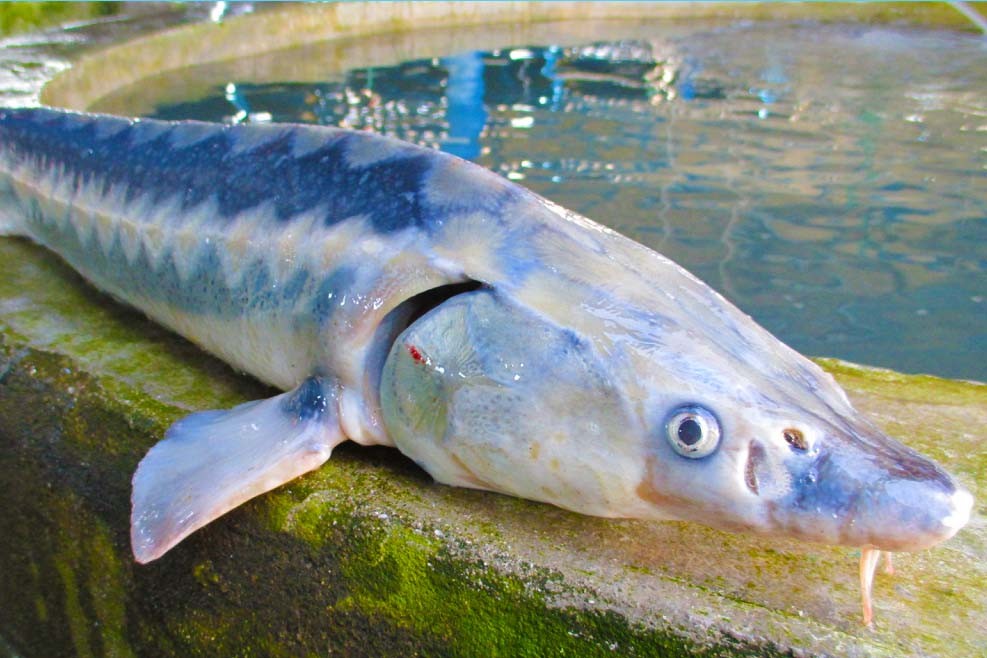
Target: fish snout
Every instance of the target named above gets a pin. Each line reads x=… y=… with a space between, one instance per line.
x=873 y=491
x=907 y=515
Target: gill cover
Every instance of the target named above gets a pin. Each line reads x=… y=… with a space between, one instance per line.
x=485 y=393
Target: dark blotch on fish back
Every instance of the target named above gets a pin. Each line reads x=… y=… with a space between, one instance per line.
x=387 y=191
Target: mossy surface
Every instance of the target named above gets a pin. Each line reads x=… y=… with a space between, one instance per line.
x=25 y=16
x=323 y=578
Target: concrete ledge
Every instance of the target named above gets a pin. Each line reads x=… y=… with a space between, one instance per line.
x=368 y=557
x=98 y=75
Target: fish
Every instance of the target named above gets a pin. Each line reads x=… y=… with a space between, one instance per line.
x=401 y=296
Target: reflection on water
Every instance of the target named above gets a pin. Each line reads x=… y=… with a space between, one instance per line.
x=829 y=180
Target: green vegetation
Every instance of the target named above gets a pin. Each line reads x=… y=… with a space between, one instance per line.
x=27 y=16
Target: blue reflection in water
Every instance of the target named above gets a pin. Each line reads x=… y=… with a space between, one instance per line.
x=466 y=113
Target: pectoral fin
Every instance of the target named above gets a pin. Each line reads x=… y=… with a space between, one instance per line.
x=212 y=461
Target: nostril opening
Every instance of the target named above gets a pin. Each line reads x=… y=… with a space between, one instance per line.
x=795 y=439
x=754 y=454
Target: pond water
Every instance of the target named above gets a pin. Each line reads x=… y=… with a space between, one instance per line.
x=830 y=180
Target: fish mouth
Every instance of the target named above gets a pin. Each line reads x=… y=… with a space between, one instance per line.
x=862 y=488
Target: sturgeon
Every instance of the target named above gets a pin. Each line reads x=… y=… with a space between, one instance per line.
x=404 y=297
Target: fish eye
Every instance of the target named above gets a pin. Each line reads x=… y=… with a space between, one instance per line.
x=693 y=431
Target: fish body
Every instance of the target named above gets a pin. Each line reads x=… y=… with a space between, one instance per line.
x=405 y=297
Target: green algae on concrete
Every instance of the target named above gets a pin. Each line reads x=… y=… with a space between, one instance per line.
x=367 y=556
x=25 y=16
